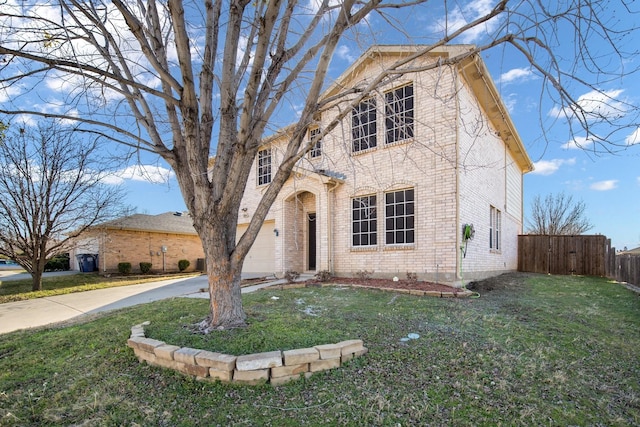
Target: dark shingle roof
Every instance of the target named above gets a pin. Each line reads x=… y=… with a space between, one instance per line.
x=168 y=222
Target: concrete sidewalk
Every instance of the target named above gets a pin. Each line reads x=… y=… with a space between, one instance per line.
x=49 y=310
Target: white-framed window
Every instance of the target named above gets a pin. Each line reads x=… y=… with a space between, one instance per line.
x=398 y=111
x=399 y=217
x=316 y=151
x=363 y=125
x=495 y=229
x=264 y=166
x=364 y=221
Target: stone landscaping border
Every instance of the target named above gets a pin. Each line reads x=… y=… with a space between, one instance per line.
x=275 y=367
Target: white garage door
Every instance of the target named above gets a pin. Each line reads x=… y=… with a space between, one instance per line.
x=261 y=259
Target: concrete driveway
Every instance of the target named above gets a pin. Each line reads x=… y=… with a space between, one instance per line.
x=49 y=310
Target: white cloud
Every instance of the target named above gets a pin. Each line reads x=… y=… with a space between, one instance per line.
x=594 y=106
x=606 y=185
x=344 y=52
x=549 y=167
x=577 y=143
x=516 y=75
x=462 y=15
x=634 y=138
x=6 y=93
x=145 y=173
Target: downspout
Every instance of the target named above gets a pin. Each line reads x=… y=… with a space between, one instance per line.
x=458 y=244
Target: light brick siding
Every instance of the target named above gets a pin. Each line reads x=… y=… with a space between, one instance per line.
x=456 y=164
x=115 y=246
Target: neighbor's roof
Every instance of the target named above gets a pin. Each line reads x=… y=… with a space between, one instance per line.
x=635 y=251
x=168 y=222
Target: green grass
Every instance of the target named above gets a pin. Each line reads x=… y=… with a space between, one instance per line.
x=543 y=350
x=20 y=290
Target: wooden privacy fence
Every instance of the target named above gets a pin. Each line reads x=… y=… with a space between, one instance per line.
x=627 y=269
x=581 y=255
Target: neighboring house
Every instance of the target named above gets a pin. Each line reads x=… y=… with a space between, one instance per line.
x=635 y=251
x=390 y=189
x=162 y=240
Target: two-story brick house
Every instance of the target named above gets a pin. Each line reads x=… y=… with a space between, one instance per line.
x=391 y=188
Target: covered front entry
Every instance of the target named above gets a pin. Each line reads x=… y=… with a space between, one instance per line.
x=261 y=257
x=301 y=232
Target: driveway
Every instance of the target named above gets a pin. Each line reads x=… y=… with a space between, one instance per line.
x=59 y=308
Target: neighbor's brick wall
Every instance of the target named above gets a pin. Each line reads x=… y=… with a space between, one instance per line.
x=117 y=246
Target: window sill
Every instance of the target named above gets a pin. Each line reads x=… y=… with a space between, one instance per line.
x=365 y=151
x=406 y=247
x=364 y=248
x=401 y=142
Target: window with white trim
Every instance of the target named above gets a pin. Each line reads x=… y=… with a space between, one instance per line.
x=363 y=125
x=495 y=229
x=399 y=217
x=398 y=110
x=316 y=151
x=264 y=166
x=364 y=221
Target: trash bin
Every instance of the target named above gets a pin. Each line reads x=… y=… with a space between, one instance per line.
x=201 y=265
x=87 y=262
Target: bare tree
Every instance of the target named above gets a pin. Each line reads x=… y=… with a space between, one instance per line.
x=187 y=80
x=52 y=191
x=558 y=214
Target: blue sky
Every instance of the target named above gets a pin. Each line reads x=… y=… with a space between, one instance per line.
x=608 y=183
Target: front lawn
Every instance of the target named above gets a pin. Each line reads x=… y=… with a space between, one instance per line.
x=20 y=290
x=541 y=350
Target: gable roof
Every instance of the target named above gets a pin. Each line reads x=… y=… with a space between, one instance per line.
x=472 y=69
x=635 y=251
x=168 y=222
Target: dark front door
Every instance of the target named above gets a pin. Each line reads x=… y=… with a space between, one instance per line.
x=311 y=250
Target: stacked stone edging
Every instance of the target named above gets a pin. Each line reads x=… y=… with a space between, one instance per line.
x=276 y=367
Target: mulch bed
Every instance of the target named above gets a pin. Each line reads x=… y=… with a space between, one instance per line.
x=417 y=285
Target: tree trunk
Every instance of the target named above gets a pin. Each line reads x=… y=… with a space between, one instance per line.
x=224 y=276
x=36 y=276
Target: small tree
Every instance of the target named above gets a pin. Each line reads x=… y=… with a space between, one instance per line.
x=52 y=191
x=558 y=215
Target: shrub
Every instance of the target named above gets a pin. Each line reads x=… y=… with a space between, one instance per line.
x=364 y=274
x=291 y=275
x=183 y=264
x=58 y=263
x=324 y=275
x=412 y=277
x=145 y=267
x=124 y=267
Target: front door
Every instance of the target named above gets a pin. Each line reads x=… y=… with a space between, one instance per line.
x=311 y=250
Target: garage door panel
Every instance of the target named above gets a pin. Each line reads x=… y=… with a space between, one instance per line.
x=261 y=256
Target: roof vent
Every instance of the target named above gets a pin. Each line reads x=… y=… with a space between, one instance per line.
x=177 y=213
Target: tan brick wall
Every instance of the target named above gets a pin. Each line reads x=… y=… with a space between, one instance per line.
x=455 y=163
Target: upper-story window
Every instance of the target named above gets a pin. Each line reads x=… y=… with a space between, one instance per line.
x=399 y=217
x=364 y=222
x=363 y=125
x=264 y=166
x=316 y=150
x=495 y=229
x=398 y=110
